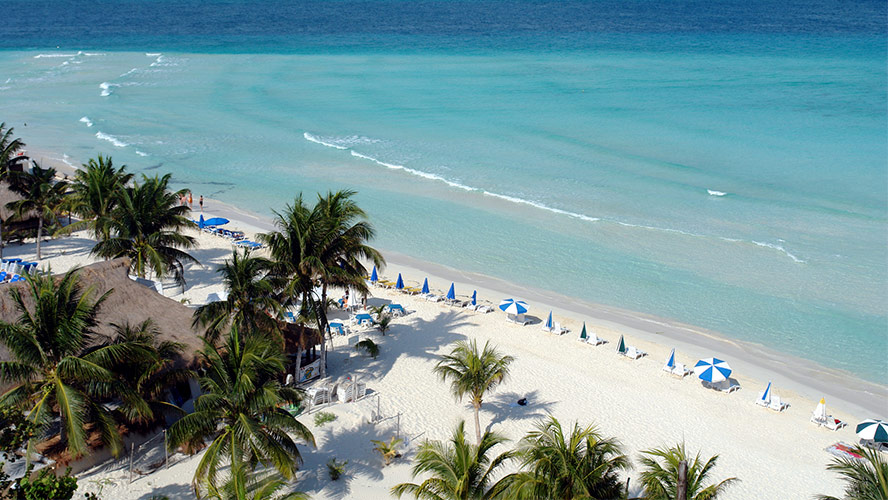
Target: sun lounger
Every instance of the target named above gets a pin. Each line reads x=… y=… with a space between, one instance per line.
x=867 y=443
x=843 y=450
x=833 y=424
x=680 y=370
x=777 y=404
x=433 y=298
x=412 y=290
x=559 y=330
x=634 y=353
x=483 y=308
x=723 y=386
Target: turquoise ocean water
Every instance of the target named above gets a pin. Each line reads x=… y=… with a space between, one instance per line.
x=718 y=166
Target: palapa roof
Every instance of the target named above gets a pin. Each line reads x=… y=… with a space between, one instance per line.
x=129 y=302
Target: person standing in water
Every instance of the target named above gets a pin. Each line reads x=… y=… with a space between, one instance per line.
x=200 y=202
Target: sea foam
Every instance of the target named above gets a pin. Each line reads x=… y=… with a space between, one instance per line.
x=316 y=140
x=106 y=88
x=110 y=138
x=713 y=192
x=87 y=121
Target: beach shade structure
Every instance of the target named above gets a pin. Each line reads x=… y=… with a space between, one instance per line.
x=475 y=298
x=670 y=361
x=549 y=323
x=425 y=287
x=451 y=294
x=873 y=430
x=512 y=306
x=400 y=283
x=374 y=276
x=216 y=221
x=820 y=411
x=765 y=398
x=583 y=335
x=712 y=370
x=621 y=346
x=200 y=222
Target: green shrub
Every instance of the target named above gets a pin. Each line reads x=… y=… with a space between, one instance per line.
x=369 y=347
x=323 y=417
x=336 y=468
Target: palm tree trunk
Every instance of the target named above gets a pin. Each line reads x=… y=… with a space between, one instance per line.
x=477 y=422
x=1 y=239
x=39 y=234
x=299 y=352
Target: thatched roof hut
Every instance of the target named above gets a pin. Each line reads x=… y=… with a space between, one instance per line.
x=129 y=302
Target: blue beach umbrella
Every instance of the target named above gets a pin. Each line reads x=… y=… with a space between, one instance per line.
x=374 y=277
x=200 y=222
x=549 y=323
x=216 y=221
x=873 y=430
x=425 y=286
x=671 y=361
x=400 y=283
x=451 y=294
x=712 y=370
x=512 y=306
x=475 y=298
x=766 y=396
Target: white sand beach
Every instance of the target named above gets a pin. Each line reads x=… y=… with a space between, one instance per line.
x=774 y=454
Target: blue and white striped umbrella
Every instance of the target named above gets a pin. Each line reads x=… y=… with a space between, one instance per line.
x=512 y=306
x=374 y=277
x=425 y=286
x=873 y=430
x=712 y=370
x=549 y=323
x=400 y=283
x=451 y=294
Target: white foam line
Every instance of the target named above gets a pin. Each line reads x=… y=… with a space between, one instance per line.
x=106 y=88
x=542 y=207
x=87 y=121
x=713 y=192
x=779 y=249
x=418 y=173
x=110 y=138
x=42 y=56
x=140 y=153
x=315 y=140
x=153 y=54
x=128 y=73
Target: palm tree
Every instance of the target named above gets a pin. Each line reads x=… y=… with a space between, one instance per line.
x=865 y=479
x=53 y=369
x=459 y=470
x=243 y=484
x=660 y=479
x=8 y=148
x=345 y=245
x=41 y=193
x=149 y=376
x=250 y=304
x=146 y=225
x=96 y=191
x=557 y=466
x=473 y=373
x=243 y=397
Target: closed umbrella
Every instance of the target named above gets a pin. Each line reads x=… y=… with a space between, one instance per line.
x=873 y=430
x=621 y=346
x=475 y=298
x=374 y=277
x=425 y=286
x=549 y=323
x=583 y=335
x=200 y=222
x=670 y=362
x=451 y=294
x=400 y=283
x=712 y=370
x=766 y=396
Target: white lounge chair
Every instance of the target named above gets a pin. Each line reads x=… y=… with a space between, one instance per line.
x=594 y=339
x=680 y=370
x=633 y=353
x=723 y=386
x=483 y=308
x=776 y=404
x=833 y=424
x=433 y=298
x=560 y=330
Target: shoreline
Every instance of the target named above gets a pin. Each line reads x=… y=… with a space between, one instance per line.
x=754 y=364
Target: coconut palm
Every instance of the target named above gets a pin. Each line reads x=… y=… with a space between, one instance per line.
x=459 y=470
x=145 y=226
x=250 y=303
x=344 y=247
x=54 y=370
x=582 y=464
x=243 y=484
x=41 y=194
x=473 y=373
x=865 y=479
x=96 y=189
x=149 y=376
x=659 y=475
x=243 y=397
x=8 y=148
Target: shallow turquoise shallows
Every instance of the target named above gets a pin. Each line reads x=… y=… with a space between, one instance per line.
x=732 y=180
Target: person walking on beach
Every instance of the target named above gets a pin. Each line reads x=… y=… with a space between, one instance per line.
x=200 y=202
x=190 y=200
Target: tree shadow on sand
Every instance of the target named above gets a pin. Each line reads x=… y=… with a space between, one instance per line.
x=504 y=406
x=344 y=444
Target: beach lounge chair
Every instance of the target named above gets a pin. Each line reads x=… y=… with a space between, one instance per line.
x=433 y=298
x=833 y=424
x=843 y=450
x=777 y=404
x=560 y=330
x=483 y=308
x=633 y=353
x=680 y=370
x=723 y=386
x=594 y=339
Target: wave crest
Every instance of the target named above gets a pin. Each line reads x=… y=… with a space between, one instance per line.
x=112 y=139
x=713 y=192
x=86 y=120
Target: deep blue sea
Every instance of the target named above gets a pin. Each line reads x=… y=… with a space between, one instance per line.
x=722 y=163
